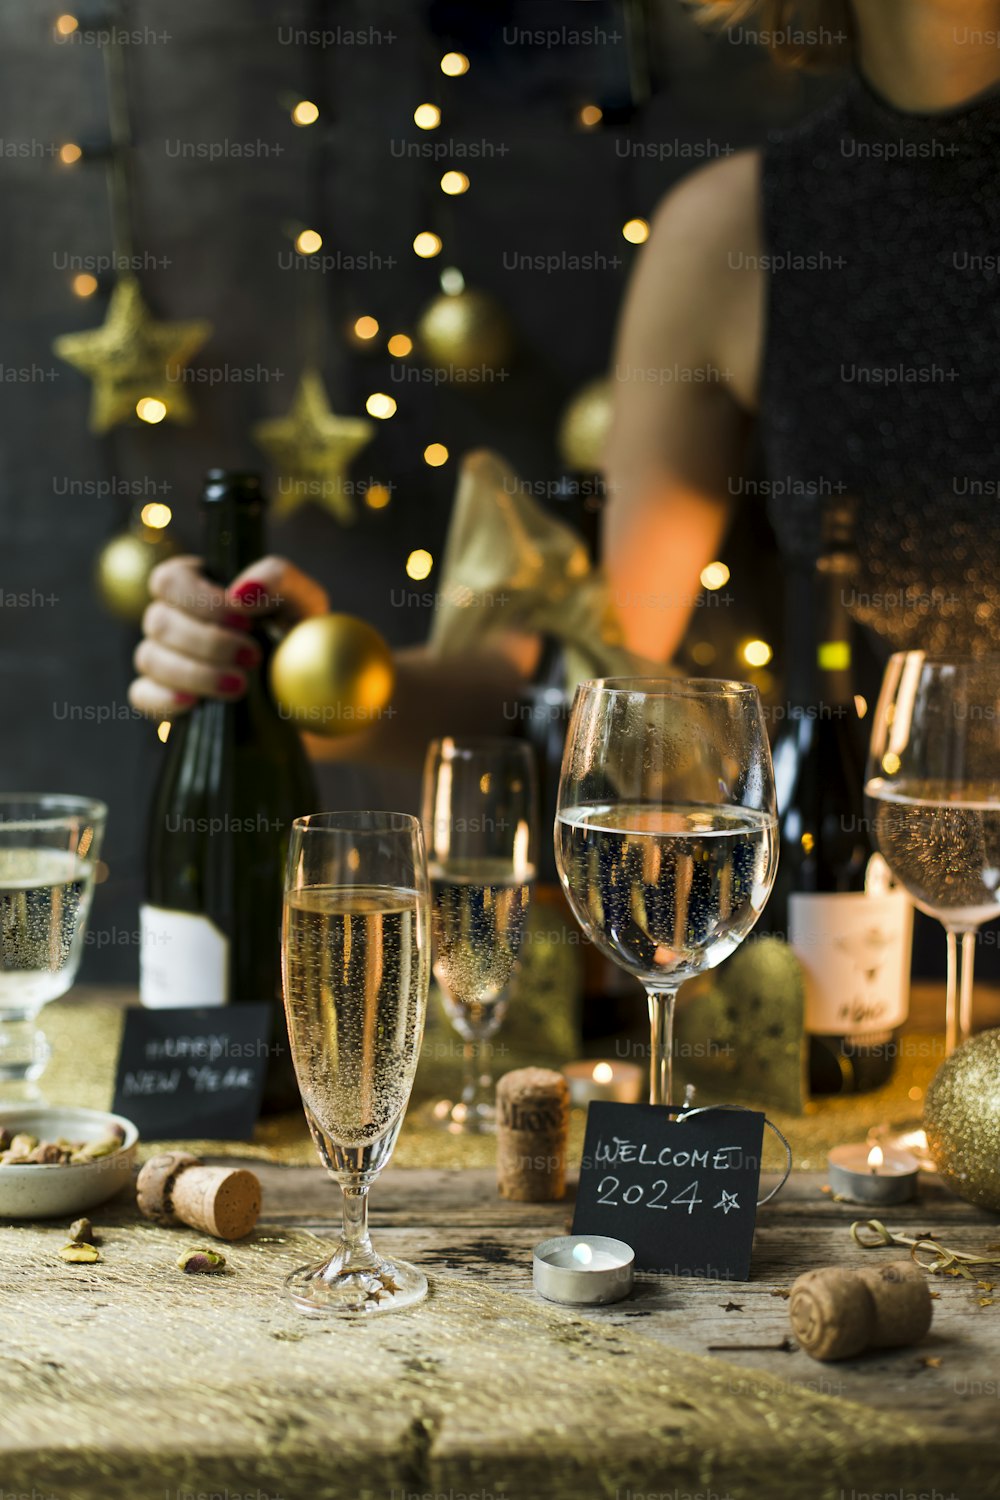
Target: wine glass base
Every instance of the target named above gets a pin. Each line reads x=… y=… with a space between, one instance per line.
x=387 y=1286
x=458 y=1118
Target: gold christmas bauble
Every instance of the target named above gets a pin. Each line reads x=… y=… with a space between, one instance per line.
x=123 y=567
x=464 y=331
x=962 y=1120
x=332 y=674
x=585 y=425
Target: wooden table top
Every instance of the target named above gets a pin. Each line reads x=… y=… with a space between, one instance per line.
x=127 y=1378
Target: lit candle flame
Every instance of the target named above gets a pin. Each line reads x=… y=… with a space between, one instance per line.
x=583 y=1254
x=603 y=1073
x=876 y=1158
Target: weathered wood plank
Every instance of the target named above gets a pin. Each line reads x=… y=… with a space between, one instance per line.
x=126 y=1379
x=455 y=1222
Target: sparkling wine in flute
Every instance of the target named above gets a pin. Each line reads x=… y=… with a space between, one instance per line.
x=355 y=961
x=943 y=843
x=478 y=908
x=355 y=987
x=666 y=891
x=44 y=900
x=480 y=818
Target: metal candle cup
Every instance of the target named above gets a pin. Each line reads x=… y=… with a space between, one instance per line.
x=599 y=1078
x=583 y=1268
x=873 y=1174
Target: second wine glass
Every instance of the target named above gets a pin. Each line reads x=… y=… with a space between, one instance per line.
x=480 y=826
x=666 y=831
x=934 y=790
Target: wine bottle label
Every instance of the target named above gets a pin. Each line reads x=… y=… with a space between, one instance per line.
x=183 y=959
x=855 y=950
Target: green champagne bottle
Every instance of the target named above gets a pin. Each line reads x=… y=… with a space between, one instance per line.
x=832 y=898
x=235 y=775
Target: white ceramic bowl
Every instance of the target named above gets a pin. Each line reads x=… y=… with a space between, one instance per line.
x=50 y=1191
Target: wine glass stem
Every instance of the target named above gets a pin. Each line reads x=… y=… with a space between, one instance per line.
x=355 y=1238
x=474 y=1090
x=958 y=1004
x=661 y=1044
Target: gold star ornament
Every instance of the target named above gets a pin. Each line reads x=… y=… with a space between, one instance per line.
x=134 y=361
x=311 y=448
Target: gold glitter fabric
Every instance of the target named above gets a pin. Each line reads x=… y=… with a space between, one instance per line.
x=880 y=381
x=128 y=1378
x=85 y=1036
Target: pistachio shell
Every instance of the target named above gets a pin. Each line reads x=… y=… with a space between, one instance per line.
x=205 y=1262
x=94 y=1150
x=79 y=1254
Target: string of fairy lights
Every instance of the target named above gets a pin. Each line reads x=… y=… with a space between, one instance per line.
x=364 y=330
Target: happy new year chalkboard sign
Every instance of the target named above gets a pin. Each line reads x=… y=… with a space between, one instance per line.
x=681 y=1192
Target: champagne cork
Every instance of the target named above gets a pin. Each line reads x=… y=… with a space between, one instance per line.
x=836 y=1314
x=178 y=1188
x=532 y=1124
x=903 y=1306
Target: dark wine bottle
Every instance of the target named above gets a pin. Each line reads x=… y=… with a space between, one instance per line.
x=832 y=898
x=234 y=777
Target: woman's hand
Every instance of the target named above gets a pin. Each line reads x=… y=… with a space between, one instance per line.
x=195 y=641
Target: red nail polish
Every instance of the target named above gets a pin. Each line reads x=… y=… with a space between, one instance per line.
x=247 y=656
x=229 y=684
x=250 y=592
x=184 y=700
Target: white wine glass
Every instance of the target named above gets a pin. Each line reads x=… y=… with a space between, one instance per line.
x=355 y=971
x=666 y=832
x=934 y=793
x=49 y=848
x=480 y=823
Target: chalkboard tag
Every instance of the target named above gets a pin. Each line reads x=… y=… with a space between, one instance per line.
x=681 y=1192
x=194 y=1073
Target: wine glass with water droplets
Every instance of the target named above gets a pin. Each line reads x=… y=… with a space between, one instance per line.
x=666 y=831
x=933 y=788
x=49 y=848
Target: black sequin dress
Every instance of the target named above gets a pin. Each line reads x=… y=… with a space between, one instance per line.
x=881 y=374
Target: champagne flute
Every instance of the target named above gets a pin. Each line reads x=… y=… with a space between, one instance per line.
x=666 y=831
x=934 y=791
x=480 y=822
x=49 y=846
x=355 y=970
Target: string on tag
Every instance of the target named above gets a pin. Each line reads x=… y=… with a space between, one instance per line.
x=686 y=1110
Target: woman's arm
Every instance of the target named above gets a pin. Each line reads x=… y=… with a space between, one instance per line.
x=685 y=378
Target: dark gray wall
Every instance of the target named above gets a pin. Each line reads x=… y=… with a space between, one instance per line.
x=216 y=72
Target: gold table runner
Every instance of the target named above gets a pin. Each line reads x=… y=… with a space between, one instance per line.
x=85 y=1035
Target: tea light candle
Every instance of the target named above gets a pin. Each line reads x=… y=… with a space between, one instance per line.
x=873 y=1174
x=583 y=1268
x=591 y=1079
